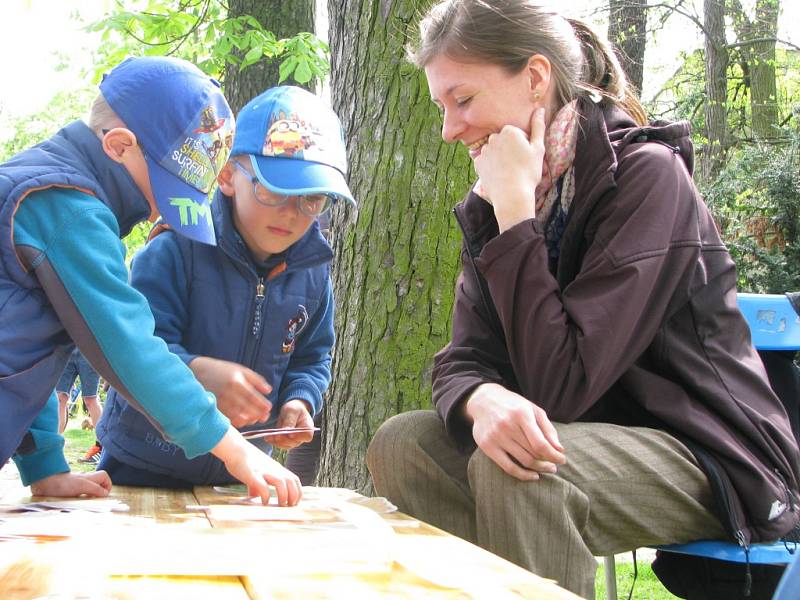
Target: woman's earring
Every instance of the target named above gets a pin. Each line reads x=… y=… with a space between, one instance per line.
x=536 y=95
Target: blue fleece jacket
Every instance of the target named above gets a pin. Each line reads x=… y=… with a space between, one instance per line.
x=275 y=318
x=63 y=207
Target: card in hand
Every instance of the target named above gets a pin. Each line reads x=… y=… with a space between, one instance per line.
x=261 y=433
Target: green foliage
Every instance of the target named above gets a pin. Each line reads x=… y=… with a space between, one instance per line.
x=136 y=238
x=684 y=94
x=756 y=201
x=21 y=133
x=202 y=32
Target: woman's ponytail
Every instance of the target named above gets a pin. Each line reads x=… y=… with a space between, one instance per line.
x=603 y=73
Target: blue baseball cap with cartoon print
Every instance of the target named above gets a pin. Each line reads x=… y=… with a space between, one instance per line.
x=185 y=128
x=295 y=142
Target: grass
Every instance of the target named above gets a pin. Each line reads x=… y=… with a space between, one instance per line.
x=647 y=586
x=77 y=442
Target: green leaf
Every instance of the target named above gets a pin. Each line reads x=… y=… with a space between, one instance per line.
x=253 y=55
x=303 y=74
x=286 y=67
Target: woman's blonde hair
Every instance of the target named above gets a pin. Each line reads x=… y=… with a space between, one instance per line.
x=509 y=32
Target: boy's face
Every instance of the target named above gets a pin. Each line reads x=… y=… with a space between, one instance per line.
x=266 y=230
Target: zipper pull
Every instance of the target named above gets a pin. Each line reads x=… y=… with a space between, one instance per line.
x=748 y=576
x=259 y=300
x=791 y=499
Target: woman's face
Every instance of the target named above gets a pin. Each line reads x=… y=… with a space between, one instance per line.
x=479 y=98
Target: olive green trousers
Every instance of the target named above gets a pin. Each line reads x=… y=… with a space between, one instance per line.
x=622 y=488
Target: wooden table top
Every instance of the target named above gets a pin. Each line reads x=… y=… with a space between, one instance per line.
x=206 y=543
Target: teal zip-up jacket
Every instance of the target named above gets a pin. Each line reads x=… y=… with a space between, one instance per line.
x=63 y=207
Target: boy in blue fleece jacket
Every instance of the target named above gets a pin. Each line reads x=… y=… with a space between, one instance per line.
x=157 y=135
x=253 y=316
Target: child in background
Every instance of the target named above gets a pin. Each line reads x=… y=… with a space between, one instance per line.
x=253 y=316
x=78 y=366
x=156 y=137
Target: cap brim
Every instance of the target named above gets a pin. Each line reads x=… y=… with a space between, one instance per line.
x=294 y=177
x=186 y=209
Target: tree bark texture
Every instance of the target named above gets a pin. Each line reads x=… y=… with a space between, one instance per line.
x=759 y=37
x=627 y=28
x=284 y=19
x=716 y=90
x=396 y=260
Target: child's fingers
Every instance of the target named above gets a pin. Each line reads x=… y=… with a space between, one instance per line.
x=258 y=488
x=301 y=437
x=257 y=381
x=90 y=488
x=280 y=490
x=101 y=478
x=295 y=491
x=258 y=406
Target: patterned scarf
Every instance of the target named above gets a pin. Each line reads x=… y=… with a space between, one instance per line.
x=560 y=140
x=559 y=143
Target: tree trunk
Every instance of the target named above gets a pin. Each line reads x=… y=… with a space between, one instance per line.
x=758 y=37
x=627 y=28
x=282 y=18
x=716 y=90
x=396 y=260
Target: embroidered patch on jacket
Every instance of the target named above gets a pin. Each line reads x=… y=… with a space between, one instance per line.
x=296 y=324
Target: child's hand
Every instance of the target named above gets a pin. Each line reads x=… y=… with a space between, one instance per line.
x=96 y=483
x=293 y=414
x=255 y=469
x=240 y=391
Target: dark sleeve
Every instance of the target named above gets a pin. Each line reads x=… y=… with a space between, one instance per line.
x=476 y=354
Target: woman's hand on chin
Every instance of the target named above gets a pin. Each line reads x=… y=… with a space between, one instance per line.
x=510 y=168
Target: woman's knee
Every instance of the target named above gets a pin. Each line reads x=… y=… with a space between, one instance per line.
x=399 y=433
x=484 y=473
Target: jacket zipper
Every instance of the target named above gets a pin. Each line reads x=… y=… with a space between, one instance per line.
x=748 y=576
x=489 y=306
x=259 y=302
x=721 y=487
x=791 y=499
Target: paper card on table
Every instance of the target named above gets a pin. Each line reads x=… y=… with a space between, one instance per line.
x=262 y=433
x=98 y=505
x=239 y=512
x=54 y=524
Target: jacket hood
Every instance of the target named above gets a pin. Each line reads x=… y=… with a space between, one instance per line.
x=675 y=135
